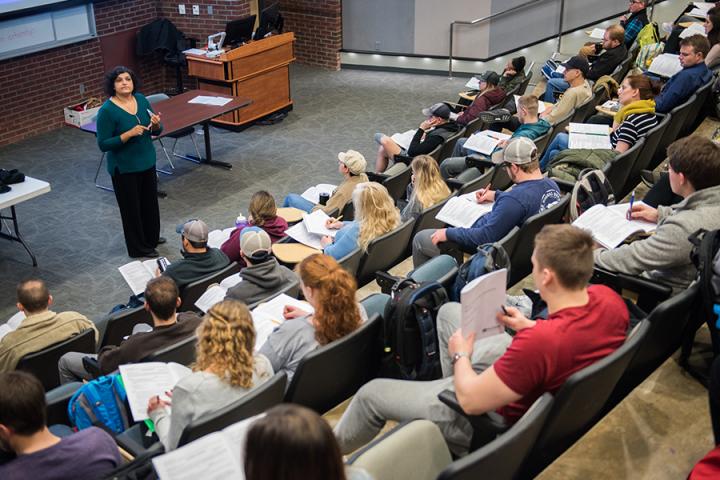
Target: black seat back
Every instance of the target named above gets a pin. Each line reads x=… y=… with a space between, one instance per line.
x=652 y=140
x=385 y=252
x=618 y=169
x=559 y=127
x=334 y=372
x=473 y=126
x=678 y=116
x=521 y=266
x=505 y=455
x=351 y=261
x=43 y=363
x=579 y=402
x=481 y=182
x=396 y=185
x=697 y=112
x=194 y=290
x=583 y=111
x=426 y=219
x=182 y=352
x=447 y=147
x=542 y=141
x=120 y=324
x=258 y=400
x=524 y=84
x=348 y=211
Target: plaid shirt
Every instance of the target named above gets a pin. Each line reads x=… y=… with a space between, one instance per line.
x=633 y=27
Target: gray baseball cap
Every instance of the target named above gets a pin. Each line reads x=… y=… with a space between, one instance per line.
x=519 y=151
x=196 y=231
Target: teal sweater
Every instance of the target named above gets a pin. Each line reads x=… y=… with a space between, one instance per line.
x=138 y=154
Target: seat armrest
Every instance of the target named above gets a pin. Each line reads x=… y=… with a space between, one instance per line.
x=478 y=162
x=92 y=366
x=454 y=184
x=385 y=281
x=376 y=177
x=403 y=159
x=57 y=401
x=486 y=427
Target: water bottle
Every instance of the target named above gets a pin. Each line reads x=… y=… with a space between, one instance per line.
x=240 y=221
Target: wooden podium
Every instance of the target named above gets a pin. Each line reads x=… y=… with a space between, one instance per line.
x=258 y=70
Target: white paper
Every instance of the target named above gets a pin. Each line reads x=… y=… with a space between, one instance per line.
x=136 y=274
x=217 y=237
x=207 y=100
x=473 y=84
x=480 y=302
x=589 y=136
x=264 y=325
x=312 y=194
x=214 y=294
x=612 y=105
x=404 y=139
x=12 y=324
x=609 y=225
x=665 y=65
x=315 y=223
x=485 y=141
x=560 y=69
x=541 y=105
x=701 y=9
x=273 y=308
x=231 y=281
x=598 y=33
x=299 y=233
x=459 y=212
x=195 y=51
x=145 y=380
x=693 y=29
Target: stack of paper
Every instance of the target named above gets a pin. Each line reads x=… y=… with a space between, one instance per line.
x=207 y=100
x=480 y=302
x=589 y=136
x=463 y=211
x=299 y=233
x=693 y=29
x=612 y=105
x=404 y=139
x=216 y=293
x=315 y=223
x=666 y=65
x=597 y=33
x=217 y=237
x=609 y=226
x=485 y=141
x=138 y=273
x=312 y=194
x=473 y=84
x=145 y=380
x=701 y=8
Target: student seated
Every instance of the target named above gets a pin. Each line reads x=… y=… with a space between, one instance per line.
x=161 y=301
x=512 y=76
x=89 y=453
x=603 y=58
x=490 y=94
x=263 y=276
x=634 y=20
x=504 y=373
x=298 y=433
x=351 y=165
x=694 y=174
x=635 y=118
x=426 y=187
x=694 y=74
x=531 y=194
x=262 y=213
x=432 y=133
x=330 y=290
x=375 y=215
x=41 y=327
x=525 y=123
x=199 y=260
x=225 y=370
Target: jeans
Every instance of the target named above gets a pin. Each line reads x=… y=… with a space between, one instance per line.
x=459 y=150
x=559 y=143
x=384 y=399
x=297 y=201
x=423 y=248
x=554 y=86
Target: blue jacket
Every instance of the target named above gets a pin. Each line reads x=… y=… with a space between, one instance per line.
x=681 y=86
x=511 y=209
x=345 y=242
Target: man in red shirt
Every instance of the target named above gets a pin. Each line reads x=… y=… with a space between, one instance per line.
x=584 y=325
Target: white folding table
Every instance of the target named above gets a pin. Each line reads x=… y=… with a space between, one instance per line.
x=30 y=188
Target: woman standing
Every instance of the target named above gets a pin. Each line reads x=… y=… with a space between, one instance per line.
x=125 y=125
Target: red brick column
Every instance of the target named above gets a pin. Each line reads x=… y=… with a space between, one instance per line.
x=318 y=30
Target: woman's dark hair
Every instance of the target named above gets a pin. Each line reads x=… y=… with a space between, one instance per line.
x=113 y=74
x=518 y=63
x=292 y=442
x=714 y=16
x=647 y=88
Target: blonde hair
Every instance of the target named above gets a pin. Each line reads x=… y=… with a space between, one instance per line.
x=429 y=187
x=226 y=338
x=262 y=208
x=336 y=310
x=375 y=211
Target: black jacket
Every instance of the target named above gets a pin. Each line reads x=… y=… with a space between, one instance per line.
x=605 y=63
x=433 y=138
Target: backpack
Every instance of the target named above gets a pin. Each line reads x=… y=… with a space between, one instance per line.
x=706 y=257
x=489 y=257
x=649 y=34
x=592 y=188
x=647 y=54
x=100 y=402
x=410 y=338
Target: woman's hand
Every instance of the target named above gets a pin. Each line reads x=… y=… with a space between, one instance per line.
x=640 y=211
x=156 y=402
x=155 y=120
x=136 y=131
x=333 y=224
x=326 y=240
x=291 y=311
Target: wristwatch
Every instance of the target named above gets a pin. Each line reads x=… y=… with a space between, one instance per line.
x=458 y=356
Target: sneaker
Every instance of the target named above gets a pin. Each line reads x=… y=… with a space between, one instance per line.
x=495 y=116
x=649 y=178
x=162 y=240
x=667 y=27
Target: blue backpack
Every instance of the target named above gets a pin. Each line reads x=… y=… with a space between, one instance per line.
x=100 y=402
x=489 y=257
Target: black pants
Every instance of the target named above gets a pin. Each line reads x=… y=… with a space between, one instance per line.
x=714 y=394
x=512 y=125
x=136 y=195
x=600 y=119
x=661 y=193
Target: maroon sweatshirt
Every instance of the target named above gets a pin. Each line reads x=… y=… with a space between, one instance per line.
x=482 y=103
x=275 y=228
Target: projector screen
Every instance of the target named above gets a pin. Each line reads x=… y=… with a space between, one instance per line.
x=7 y=6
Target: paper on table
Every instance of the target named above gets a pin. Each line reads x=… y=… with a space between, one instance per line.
x=612 y=105
x=609 y=226
x=473 y=84
x=480 y=302
x=195 y=51
x=299 y=233
x=312 y=194
x=694 y=29
x=145 y=380
x=315 y=223
x=231 y=281
x=598 y=33
x=665 y=65
x=541 y=104
x=264 y=325
x=207 y=100
x=273 y=308
x=462 y=213
x=217 y=237
x=12 y=324
x=216 y=293
x=622 y=208
x=485 y=142
x=701 y=9
x=404 y=139
x=588 y=135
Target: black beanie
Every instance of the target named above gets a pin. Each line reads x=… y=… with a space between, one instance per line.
x=518 y=63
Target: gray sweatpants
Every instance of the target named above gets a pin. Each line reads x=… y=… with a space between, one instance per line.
x=400 y=400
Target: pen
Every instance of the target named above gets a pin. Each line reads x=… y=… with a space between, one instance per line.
x=483 y=190
x=632 y=200
x=150 y=112
x=504 y=309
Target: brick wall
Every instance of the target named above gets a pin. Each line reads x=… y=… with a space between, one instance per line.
x=318 y=30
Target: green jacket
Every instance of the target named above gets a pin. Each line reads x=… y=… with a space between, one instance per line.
x=568 y=164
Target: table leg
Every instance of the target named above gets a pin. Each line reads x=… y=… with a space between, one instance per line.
x=208 y=151
x=17 y=237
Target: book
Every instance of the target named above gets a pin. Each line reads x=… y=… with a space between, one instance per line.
x=480 y=302
x=463 y=211
x=597 y=33
x=217 y=237
x=404 y=139
x=588 y=135
x=138 y=273
x=299 y=233
x=312 y=194
x=485 y=141
x=609 y=225
x=315 y=223
x=541 y=104
x=700 y=9
x=665 y=65
x=12 y=324
x=216 y=456
x=216 y=293
x=612 y=105
x=144 y=380
x=694 y=29
x=269 y=315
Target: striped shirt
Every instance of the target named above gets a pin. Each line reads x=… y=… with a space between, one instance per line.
x=635 y=126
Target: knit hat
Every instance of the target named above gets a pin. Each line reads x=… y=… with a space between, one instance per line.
x=255 y=243
x=520 y=151
x=196 y=231
x=354 y=161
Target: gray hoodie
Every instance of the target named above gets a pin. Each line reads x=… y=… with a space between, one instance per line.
x=665 y=256
x=261 y=280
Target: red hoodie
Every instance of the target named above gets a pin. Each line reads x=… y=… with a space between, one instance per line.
x=482 y=103
x=275 y=228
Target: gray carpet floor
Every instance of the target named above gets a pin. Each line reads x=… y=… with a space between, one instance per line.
x=75 y=229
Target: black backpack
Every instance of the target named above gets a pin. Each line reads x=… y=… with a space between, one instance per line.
x=592 y=188
x=706 y=257
x=489 y=257
x=409 y=331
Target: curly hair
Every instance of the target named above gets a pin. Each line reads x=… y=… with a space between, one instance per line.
x=375 y=211
x=429 y=187
x=336 y=310
x=226 y=339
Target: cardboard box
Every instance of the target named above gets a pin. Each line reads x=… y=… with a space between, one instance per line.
x=79 y=118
